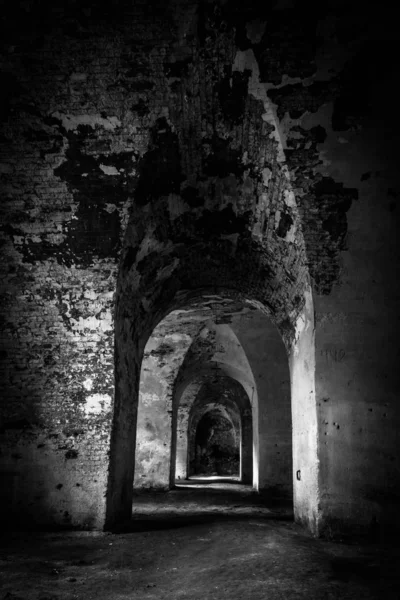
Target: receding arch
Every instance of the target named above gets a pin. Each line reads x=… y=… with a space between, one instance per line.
x=168 y=358
x=163 y=356
x=221 y=220
x=305 y=445
x=214 y=388
x=257 y=358
x=206 y=425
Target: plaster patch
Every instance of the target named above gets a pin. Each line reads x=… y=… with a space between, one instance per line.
x=179 y=337
x=267 y=174
x=110 y=208
x=93 y=323
x=149 y=244
x=106 y=321
x=72 y=122
x=305 y=319
x=90 y=294
x=88 y=384
x=147 y=398
x=289 y=198
x=291 y=235
x=246 y=60
x=96 y=403
x=55 y=238
x=109 y=170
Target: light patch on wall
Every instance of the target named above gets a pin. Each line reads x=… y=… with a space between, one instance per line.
x=304 y=321
x=109 y=170
x=33 y=230
x=179 y=337
x=147 y=399
x=267 y=174
x=96 y=403
x=291 y=235
x=90 y=294
x=93 y=323
x=88 y=384
x=247 y=60
x=55 y=238
x=71 y=122
x=110 y=208
x=289 y=198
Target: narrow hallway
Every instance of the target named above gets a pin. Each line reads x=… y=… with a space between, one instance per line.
x=218 y=497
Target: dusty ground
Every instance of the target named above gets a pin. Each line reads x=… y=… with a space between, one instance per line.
x=209 y=496
x=192 y=551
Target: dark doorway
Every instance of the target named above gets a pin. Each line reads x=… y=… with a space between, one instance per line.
x=217 y=446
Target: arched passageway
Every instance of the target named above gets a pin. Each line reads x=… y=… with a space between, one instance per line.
x=214 y=442
x=200 y=152
x=214 y=389
x=189 y=358
x=218 y=224
x=196 y=314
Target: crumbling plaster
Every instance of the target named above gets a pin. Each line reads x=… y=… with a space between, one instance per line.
x=142 y=157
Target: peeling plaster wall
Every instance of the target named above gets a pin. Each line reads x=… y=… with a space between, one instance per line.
x=211 y=187
x=124 y=133
x=306 y=441
x=63 y=214
x=357 y=324
x=196 y=146
x=58 y=386
x=341 y=143
x=162 y=360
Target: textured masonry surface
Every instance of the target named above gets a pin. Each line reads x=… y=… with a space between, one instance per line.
x=154 y=149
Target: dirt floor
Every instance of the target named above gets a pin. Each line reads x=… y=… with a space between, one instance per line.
x=219 y=544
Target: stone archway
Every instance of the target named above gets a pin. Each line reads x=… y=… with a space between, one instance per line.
x=305 y=445
x=214 y=441
x=221 y=391
x=221 y=220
